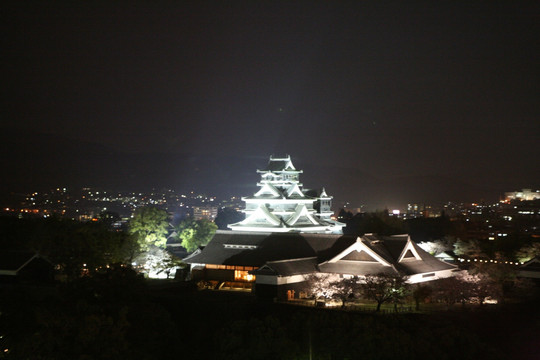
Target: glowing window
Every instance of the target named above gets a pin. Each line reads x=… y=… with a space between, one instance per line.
x=240 y=275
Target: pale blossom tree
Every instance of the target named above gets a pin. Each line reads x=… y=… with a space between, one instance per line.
x=528 y=252
x=438 y=246
x=345 y=289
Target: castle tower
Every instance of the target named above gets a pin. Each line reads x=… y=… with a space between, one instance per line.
x=281 y=205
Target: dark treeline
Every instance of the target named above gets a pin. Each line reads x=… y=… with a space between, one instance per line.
x=436 y=228
x=68 y=244
x=228 y=216
x=107 y=315
x=117 y=315
x=382 y=223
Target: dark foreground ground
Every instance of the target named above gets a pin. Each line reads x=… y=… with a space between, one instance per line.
x=121 y=317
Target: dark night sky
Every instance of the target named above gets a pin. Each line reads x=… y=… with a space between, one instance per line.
x=384 y=103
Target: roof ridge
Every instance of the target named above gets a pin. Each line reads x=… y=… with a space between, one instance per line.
x=289 y=260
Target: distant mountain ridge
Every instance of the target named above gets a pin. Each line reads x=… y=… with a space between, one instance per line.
x=35 y=161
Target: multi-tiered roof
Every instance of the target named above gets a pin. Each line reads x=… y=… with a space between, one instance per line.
x=281 y=204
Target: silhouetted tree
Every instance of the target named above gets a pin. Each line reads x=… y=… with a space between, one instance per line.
x=109 y=218
x=344 y=215
x=501 y=279
x=469 y=248
x=384 y=288
x=420 y=293
x=427 y=229
x=108 y=315
x=228 y=216
x=452 y=290
x=376 y=222
x=71 y=245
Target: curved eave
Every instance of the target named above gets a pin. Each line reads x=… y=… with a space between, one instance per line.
x=278 y=200
x=279 y=183
x=281 y=229
x=279 y=171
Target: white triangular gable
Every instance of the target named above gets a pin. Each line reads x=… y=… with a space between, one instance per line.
x=268 y=189
x=266 y=267
x=300 y=211
x=360 y=246
x=27 y=262
x=262 y=212
x=409 y=246
x=289 y=165
x=294 y=189
x=324 y=194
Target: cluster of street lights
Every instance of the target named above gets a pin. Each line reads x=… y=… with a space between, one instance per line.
x=491 y=261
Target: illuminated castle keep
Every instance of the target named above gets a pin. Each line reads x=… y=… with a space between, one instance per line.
x=281 y=205
x=288 y=237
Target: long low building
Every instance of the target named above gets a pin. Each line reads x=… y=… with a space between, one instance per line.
x=278 y=264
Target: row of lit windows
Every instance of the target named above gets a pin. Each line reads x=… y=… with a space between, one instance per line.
x=230 y=267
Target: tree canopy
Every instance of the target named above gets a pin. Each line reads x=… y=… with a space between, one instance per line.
x=377 y=222
x=195 y=233
x=228 y=216
x=471 y=249
x=71 y=245
x=150 y=225
x=384 y=288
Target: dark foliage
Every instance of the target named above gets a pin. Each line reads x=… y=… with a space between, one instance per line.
x=106 y=316
x=429 y=229
x=377 y=222
x=228 y=216
x=116 y=315
x=67 y=243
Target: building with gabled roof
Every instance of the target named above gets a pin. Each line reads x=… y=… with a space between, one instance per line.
x=288 y=235
x=277 y=264
x=25 y=266
x=282 y=205
x=530 y=269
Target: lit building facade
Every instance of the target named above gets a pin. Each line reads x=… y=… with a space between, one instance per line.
x=524 y=195
x=205 y=212
x=279 y=264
